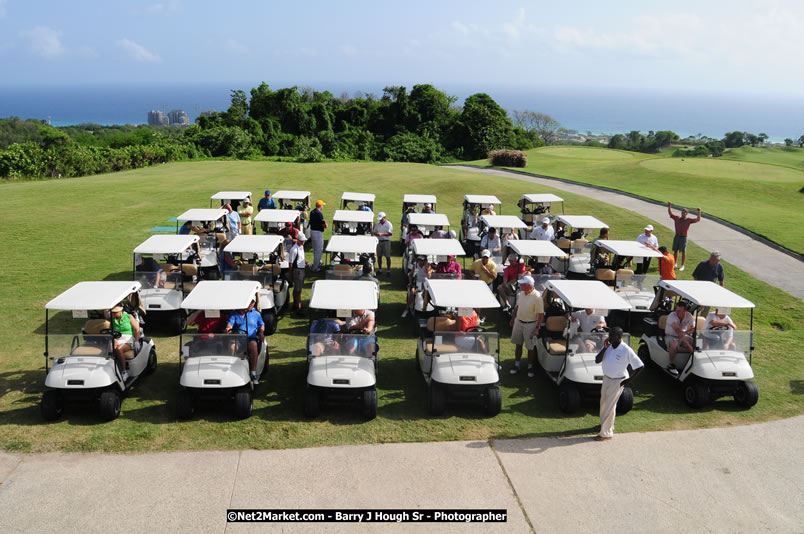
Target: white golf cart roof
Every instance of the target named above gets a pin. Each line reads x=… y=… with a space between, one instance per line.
x=706 y=293
x=277 y=216
x=588 y=294
x=438 y=247
x=166 y=244
x=352 y=243
x=256 y=244
x=535 y=247
x=353 y=216
x=503 y=221
x=231 y=195
x=542 y=198
x=93 y=296
x=628 y=248
x=461 y=294
x=202 y=214
x=481 y=199
x=344 y=295
x=291 y=195
x=585 y=222
x=358 y=197
x=221 y=295
x=419 y=199
x=428 y=219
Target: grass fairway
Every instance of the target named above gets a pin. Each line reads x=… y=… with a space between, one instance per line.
x=759 y=192
x=88 y=227
x=788 y=156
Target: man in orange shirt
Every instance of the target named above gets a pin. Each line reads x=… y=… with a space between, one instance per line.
x=667 y=263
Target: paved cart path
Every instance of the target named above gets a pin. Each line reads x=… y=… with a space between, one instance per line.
x=754 y=257
x=737 y=479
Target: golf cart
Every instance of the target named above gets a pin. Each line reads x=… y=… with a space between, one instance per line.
x=213 y=225
x=473 y=207
x=233 y=198
x=459 y=365
x=83 y=366
x=351 y=257
x=417 y=203
x=167 y=268
x=366 y=199
x=568 y=356
x=263 y=256
x=535 y=206
x=636 y=289
x=503 y=224
x=351 y=222
x=720 y=364
x=575 y=243
x=426 y=223
x=214 y=365
x=341 y=366
x=296 y=200
x=276 y=220
x=536 y=254
x=436 y=251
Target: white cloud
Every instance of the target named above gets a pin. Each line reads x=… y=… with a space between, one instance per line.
x=137 y=52
x=44 y=41
x=237 y=47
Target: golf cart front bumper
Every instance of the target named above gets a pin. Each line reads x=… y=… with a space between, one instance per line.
x=341 y=372
x=215 y=372
x=465 y=369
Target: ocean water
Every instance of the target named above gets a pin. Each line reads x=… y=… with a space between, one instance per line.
x=603 y=111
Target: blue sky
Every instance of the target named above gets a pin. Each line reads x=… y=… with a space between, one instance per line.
x=712 y=46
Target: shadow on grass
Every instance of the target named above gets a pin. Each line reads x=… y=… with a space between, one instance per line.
x=797 y=387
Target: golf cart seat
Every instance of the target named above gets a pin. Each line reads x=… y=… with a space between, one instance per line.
x=606 y=276
x=188 y=286
x=169 y=267
x=343 y=268
x=94 y=343
x=189 y=269
x=247 y=268
x=554 y=340
x=624 y=280
x=528 y=218
x=446 y=348
x=578 y=245
x=441 y=324
x=563 y=243
x=220 y=237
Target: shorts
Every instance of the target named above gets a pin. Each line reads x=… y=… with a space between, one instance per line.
x=522 y=333
x=126 y=340
x=384 y=249
x=680 y=243
x=298 y=279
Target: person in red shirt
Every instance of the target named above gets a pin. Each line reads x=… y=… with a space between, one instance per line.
x=682 y=228
x=511 y=274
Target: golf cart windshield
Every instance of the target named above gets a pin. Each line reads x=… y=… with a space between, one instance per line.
x=540 y=280
x=726 y=339
x=467 y=342
x=160 y=279
x=636 y=289
x=84 y=345
x=194 y=345
x=342 y=344
x=345 y=271
x=263 y=275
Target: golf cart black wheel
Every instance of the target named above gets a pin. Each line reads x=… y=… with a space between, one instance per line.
x=52 y=405
x=243 y=403
x=696 y=394
x=493 y=401
x=267 y=359
x=178 y=322
x=644 y=353
x=269 y=318
x=109 y=405
x=436 y=398
x=569 y=398
x=369 y=404
x=150 y=367
x=312 y=402
x=747 y=394
x=625 y=402
x=185 y=404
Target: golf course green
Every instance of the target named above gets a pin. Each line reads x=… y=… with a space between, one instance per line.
x=86 y=229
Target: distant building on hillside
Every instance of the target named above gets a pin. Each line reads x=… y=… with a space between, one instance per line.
x=157 y=118
x=178 y=117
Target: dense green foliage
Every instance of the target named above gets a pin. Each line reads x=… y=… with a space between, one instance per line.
x=712 y=148
x=638 y=142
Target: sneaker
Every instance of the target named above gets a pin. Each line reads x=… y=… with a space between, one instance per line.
x=675 y=265
x=515 y=370
x=254 y=379
x=124 y=374
x=531 y=372
x=602 y=438
x=682 y=268
x=405 y=313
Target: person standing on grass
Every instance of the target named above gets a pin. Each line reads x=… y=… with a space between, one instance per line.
x=710 y=270
x=616 y=357
x=648 y=239
x=383 y=230
x=525 y=324
x=682 y=229
x=245 y=212
x=266 y=203
x=317 y=226
x=297 y=264
x=666 y=263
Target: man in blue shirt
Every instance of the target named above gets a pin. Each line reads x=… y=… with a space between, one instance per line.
x=266 y=203
x=249 y=322
x=710 y=270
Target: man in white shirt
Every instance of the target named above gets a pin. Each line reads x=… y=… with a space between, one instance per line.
x=525 y=324
x=584 y=322
x=296 y=264
x=491 y=241
x=646 y=239
x=680 y=324
x=383 y=230
x=616 y=357
x=718 y=330
x=545 y=232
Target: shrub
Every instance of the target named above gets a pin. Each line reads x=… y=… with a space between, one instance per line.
x=412 y=148
x=508 y=158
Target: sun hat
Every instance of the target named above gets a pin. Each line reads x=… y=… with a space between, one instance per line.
x=320 y=203
x=380 y=215
x=527 y=280
x=649 y=227
x=715 y=254
x=117 y=308
x=486 y=253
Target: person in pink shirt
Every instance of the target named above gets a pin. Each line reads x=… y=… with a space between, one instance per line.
x=451 y=266
x=515 y=270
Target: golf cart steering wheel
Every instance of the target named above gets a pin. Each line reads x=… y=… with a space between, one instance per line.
x=109 y=332
x=475 y=329
x=719 y=328
x=600 y=330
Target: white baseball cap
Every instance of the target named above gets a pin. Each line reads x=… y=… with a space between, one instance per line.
x=380 y=215
x=527 y=280
x=301 y=237
x=546 y=220
x=649 y=227
x=486 y=253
